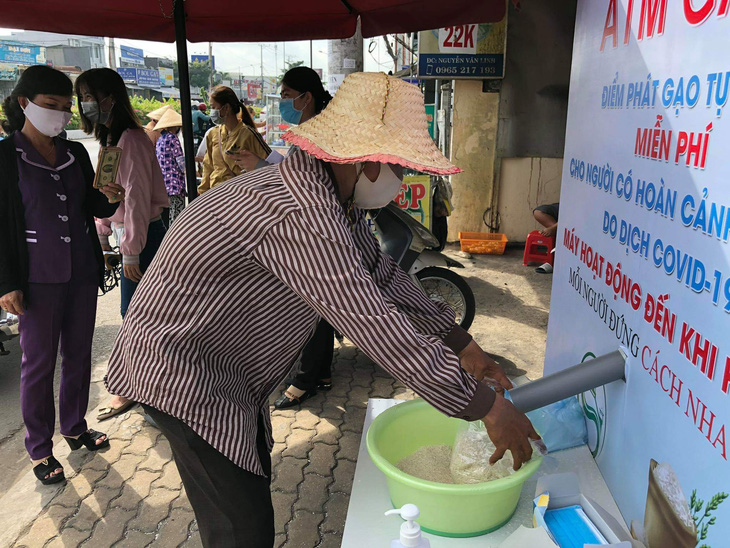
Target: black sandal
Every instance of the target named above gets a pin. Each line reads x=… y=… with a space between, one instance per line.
x=287 y=399
x=88 y=439
x=43 y=471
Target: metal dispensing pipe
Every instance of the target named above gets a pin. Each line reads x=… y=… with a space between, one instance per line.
x=570 y=382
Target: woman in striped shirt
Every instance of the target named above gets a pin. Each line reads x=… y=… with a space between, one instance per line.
x=236 y=292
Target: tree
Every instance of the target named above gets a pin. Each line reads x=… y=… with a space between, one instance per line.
x=199 y=75
x=289 y=65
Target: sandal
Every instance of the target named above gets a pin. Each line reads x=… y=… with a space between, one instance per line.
x=109 y=412
x=88 y=439
x=288 y=399
x=44 y=469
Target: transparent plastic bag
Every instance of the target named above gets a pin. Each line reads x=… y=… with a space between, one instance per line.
x=562 y=424
x=471 y=454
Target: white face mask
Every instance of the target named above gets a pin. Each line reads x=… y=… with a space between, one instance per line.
x=48 y=121
x=215 y=116
x=379 y=193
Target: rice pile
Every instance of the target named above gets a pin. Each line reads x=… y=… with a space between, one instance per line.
x=430 y=462
x=466 y=464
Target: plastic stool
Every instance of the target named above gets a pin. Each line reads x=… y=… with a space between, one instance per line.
x=538 y=249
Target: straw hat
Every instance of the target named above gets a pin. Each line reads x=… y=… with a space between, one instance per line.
x=169 y=119
x=373 y=117
x=157 y=114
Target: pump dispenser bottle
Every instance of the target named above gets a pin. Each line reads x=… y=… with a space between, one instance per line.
x=410 y=531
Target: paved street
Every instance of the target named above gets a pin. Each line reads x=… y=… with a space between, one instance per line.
x=131 y=495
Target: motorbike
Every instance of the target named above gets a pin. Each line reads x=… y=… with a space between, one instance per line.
x=8 y=329
x=411 y=246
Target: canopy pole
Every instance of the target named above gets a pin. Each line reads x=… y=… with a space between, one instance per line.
x=185 y=98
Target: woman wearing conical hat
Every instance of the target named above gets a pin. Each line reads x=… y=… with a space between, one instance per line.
x=245 y=275
x=172 y=163
x=154 y=117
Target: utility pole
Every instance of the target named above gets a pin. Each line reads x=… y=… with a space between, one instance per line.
x=311 y=59
x=112 y=55
x=345 y=57
x=262 y=71
x=210 y=60
x=276 y=60
x=240 y=85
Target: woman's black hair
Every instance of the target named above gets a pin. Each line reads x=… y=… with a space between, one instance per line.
x=35 y=80
x=102 y=83
x=304 y=79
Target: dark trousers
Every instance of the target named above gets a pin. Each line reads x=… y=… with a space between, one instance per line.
x=316 y=358
x=233 y=507
x=65 y=312
x=155 y=234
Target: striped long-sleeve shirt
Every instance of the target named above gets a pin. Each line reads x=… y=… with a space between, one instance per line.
x=235 y=291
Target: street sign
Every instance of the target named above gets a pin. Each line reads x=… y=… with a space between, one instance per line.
x=167 y=77
x=463 y=52
x=202 y=59
x=22 y=54
x=149 y=78
x=128 y=74
x=132 y=55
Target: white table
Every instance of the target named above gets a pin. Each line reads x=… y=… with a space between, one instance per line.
x=366 y=526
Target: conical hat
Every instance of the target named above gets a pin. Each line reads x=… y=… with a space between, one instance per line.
x=373 y=117
x=169 y=119
x=157 y=114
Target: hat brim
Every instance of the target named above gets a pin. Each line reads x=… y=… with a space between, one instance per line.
x=157 y=114
x=311 y=148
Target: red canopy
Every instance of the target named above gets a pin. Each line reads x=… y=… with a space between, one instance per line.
x=239 y=20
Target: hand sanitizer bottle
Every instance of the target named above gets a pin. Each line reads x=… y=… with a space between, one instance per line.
x=410 y=531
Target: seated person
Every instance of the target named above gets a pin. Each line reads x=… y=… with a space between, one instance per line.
x=547 y=216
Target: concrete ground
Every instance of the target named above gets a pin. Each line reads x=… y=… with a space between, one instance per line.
x=131 y=495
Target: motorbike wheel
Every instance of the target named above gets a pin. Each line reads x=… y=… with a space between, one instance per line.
x=444 y=285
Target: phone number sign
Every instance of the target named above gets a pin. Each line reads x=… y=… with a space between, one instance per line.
x=463 y=52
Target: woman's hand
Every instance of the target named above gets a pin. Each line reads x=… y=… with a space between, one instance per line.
x=113 y=192
x=509 y=428
x=246 y=160
x=475 y=361
x=13 y=302
x=133 y=273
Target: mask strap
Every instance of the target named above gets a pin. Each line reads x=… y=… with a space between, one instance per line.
x=110 y=108
x=298 y=97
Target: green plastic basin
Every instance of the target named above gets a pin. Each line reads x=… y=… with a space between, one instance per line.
x=446 y=510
